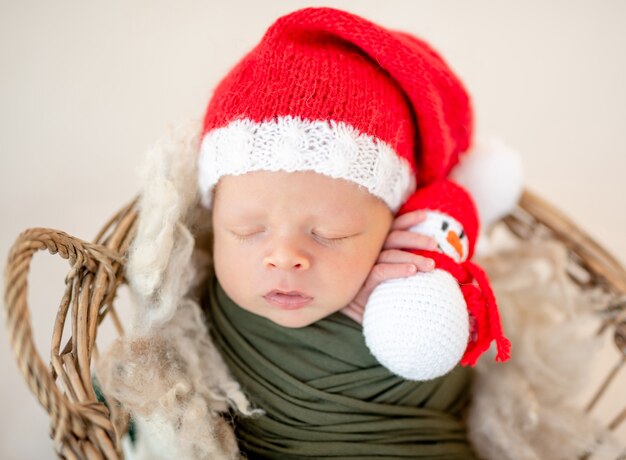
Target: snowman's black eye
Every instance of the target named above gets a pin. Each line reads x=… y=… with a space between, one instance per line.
x=444 y=226
x=462 y=234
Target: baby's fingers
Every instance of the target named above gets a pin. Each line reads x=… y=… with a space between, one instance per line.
x=406 y=221
x=380 y=272
x=399 y=239
x=398 y=256
x=384 y=272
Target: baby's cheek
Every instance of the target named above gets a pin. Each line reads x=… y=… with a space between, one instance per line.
x=220 y=258
x=351 y=272
x=229 y=264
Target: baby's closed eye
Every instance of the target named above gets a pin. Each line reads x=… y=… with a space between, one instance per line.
x=244 y=234
x=331 y=239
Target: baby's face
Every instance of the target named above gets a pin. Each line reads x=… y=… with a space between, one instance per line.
x=281 y=232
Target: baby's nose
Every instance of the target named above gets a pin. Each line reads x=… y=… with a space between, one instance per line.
x=287 y=257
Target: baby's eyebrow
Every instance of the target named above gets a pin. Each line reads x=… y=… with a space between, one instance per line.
x=327 y=217
x=341 y=228
x=247 y=213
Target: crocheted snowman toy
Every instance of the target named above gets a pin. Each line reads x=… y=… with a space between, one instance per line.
x=419 y=327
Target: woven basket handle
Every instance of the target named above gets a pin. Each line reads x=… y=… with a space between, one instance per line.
x=80 y=425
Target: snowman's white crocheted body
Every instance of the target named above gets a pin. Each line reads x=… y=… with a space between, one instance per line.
x=418 y=326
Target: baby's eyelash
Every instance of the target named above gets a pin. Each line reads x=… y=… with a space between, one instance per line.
x=330 y=241
x=242 y=237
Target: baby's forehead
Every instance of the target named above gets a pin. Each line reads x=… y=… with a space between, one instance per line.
x=307 y=186
x=296 y=193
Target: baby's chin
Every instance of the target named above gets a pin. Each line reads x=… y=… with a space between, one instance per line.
x=294 y=319
x=293 y=322
x=291 y=319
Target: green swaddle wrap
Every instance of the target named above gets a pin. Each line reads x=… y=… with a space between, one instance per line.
x=325 y=396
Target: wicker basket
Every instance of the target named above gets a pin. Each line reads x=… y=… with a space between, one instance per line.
x=83 y=427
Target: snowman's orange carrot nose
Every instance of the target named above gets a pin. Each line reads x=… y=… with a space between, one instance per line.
x=455 y=241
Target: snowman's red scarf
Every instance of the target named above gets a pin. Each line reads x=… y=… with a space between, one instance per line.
x=481 y=304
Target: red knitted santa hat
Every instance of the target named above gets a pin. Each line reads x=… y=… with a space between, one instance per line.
x=451 y=199
x=331 y=92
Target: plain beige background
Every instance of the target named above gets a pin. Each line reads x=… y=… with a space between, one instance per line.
x=87 y=87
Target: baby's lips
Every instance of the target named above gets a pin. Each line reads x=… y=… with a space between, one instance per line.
x=289 y=293
x=293 y=300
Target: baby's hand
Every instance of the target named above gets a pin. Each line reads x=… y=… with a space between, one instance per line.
x=393 y=262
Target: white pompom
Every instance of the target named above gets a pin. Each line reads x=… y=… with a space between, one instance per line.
x=417 y=327
x=492 y=173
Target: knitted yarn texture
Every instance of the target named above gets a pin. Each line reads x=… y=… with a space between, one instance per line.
x=328 y=91
x=294 y=144
x=417 y=327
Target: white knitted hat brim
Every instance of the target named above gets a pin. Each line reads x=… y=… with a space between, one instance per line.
x=291 y=144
